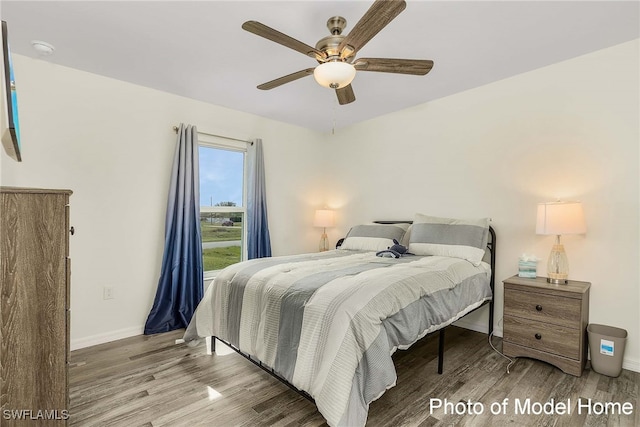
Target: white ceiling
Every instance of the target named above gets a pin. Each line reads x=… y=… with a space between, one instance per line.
x=198 y=49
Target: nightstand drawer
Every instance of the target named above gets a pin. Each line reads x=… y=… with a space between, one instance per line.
x=543 y=308
x=541 y=336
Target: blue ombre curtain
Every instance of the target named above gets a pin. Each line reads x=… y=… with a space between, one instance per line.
x=180 y=287
x=258 y=240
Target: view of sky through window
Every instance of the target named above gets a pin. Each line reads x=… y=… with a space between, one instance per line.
x=221 y=175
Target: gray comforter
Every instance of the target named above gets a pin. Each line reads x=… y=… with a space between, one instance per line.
x=330 y=322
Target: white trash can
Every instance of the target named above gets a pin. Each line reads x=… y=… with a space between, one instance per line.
x=606 y=345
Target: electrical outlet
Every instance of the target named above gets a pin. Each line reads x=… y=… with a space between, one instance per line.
x=107 y=292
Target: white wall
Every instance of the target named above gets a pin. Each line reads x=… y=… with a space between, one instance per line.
x=570 y=131
x=112 y=143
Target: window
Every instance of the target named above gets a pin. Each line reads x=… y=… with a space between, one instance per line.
x=222 y=205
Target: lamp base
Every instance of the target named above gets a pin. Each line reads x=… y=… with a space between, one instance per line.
x=324 y=243
x=558 y=265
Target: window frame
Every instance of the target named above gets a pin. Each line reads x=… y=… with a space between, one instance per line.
x=209 y=141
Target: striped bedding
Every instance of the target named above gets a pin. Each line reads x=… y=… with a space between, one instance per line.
x=329 y=322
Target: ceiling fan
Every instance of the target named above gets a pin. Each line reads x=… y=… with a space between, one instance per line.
x=336 y=53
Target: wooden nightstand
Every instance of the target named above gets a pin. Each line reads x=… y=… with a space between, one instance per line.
x=547 y=322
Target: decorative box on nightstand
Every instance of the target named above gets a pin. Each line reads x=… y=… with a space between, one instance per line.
x=547 y=322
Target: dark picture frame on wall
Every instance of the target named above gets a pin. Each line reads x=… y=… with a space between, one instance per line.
x=11 y=127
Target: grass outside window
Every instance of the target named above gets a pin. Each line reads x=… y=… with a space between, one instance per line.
x=219 y=258
x=219 y=233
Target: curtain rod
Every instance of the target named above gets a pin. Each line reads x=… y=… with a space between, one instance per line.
x=175 y=129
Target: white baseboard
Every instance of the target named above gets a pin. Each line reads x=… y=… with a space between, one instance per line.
x=478 y=326
x=78 y=343
x=631 y=364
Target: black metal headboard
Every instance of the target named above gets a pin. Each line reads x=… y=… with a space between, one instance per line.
x=491 y=245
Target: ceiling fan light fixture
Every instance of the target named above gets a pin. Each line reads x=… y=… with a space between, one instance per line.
x=334 y=75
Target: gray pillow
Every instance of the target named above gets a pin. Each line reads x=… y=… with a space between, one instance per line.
x=458 y=238
x=373 y=237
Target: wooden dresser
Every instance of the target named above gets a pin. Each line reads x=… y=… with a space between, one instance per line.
x=547 y=322
x=34 y=307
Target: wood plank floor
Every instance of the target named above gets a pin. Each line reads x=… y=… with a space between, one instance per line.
x=150 y=381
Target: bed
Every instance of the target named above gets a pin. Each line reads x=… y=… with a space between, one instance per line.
x=328 y=323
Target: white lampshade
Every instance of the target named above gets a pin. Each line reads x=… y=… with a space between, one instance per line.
x=560 y=218
x=334 y=75
x=324 y=218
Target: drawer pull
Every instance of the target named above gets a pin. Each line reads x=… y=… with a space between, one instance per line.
x=539 y=307
x=72 y=230
x=538 y=336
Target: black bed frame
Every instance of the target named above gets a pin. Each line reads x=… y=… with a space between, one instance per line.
x=491 y=246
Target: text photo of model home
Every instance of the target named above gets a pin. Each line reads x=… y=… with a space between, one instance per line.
x=527 y=102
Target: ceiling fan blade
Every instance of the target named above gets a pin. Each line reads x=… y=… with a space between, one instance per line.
x=345 y=95
x=286 y=79
x=375 y=19
x=269 y=33
x=419 y=67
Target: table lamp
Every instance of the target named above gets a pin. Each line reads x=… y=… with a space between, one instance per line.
x=558 y=218
x=324 y=218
